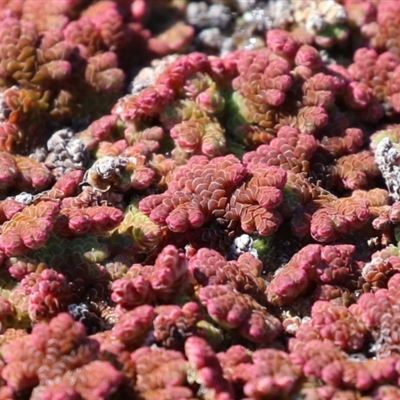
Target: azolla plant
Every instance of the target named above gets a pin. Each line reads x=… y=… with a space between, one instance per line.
x=189 y=219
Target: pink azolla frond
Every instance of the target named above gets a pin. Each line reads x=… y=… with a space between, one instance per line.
x=75 y=221
x=129 y=293
x=376 y=273
x=173 y=324
x=148 y=103
x=337 y=324
x=309 y=57
x=146 y=234
x=48 y=296
x=109 y=149
x=211 y=100
x=184 y=67
x=102 y=72
x=254 y=203
x=362 y=375
x=359 y=95
x=289 y=150
x=314 y=355
x=224 y=69
x=288 y=284
x=9 y=137
x=349 y=142
x=28 y=229
x=96 y=380
x=270 y=75
x=238 y=311
x=198 y=192
x=282 y=42
x=355 y=171
x=9 y=171
x=235 y=355
x=119 y=173
x=313 y=263
x=161 y=373
x=57 y=70
x=67 y=185
x=8 y=208
x=270 y=374
x=185 y=217
x=154 y=99
x=257 y=219
x=206 y=369
x=200 y=136
x=306 y=118
x=378 y=312
x=339 y=217
x=376 y=197
x=319 y=90
x=104 y=218
x=61 y=391
x=133 y=327
x=108 y=19
x=170 y=272
x=33 y=175
x=210 y=268
x=47 y=353
x=158 y=207
x=99 y=130
x=160 y=281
